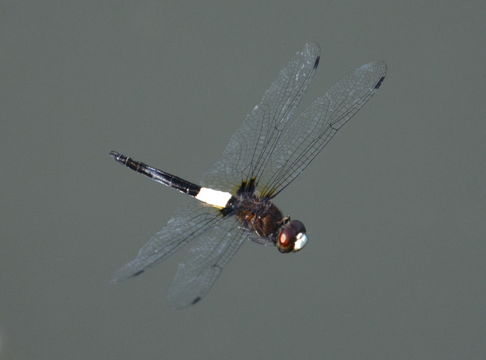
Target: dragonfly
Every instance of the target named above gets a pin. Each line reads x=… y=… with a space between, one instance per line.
x=233 y=203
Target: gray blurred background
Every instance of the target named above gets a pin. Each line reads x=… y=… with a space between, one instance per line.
x=394 y=206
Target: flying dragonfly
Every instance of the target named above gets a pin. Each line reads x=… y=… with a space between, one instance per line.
x=234 y=202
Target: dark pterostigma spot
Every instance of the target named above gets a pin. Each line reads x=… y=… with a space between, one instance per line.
x=316 y=63
x=196 y=300
x=139 y=272
x=378 y=84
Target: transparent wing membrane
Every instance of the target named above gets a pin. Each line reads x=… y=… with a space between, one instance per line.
x=304 y=137
x=273 y=145
x=214 y=239
x=213 y=249
x=189 y=223
x=249 y=151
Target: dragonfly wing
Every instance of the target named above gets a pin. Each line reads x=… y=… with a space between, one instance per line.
x=305 y=137
x=273 y=145
x=192 y=220
x=248 y=151
x=212 y=250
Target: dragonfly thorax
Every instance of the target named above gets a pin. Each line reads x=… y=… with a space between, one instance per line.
x=260 y=215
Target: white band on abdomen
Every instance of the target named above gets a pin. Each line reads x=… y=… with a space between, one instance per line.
x=213 y=197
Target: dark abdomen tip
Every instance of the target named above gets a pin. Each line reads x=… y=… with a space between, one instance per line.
x=122 y=159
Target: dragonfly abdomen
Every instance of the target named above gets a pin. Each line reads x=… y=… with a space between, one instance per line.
x=157 y=175
x=209 y=196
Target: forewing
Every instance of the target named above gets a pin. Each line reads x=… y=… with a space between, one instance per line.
x=213 y=249
x=190 y=222
x=250 y=149
x=309 y=133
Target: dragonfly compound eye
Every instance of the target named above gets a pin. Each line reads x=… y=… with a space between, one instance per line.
x=291 y=237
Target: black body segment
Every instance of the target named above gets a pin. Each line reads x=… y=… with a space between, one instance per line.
x=157 y=175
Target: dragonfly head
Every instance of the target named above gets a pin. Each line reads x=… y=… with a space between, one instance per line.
x=291 y=237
